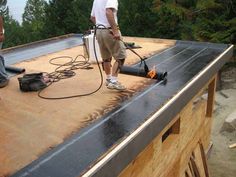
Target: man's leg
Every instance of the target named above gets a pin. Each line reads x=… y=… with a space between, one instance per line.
x=115 y=71
x=106 y=64
x=118 y=51
x=116 y=67
x=3 y=75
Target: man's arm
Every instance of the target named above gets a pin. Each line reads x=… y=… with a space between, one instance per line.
x=112 y=22
x=1 y=30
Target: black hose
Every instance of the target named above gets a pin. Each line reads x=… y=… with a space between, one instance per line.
x=72 y=64
x=13 y=69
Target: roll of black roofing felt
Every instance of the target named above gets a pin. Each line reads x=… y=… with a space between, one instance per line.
x=14 y=69
x=141 y=72
x=133 y=71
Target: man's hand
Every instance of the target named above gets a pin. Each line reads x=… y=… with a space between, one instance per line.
x=93 y=19
x=116 y=34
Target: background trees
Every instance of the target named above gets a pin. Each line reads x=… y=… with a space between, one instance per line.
x=215 y=21
x=58 y=13
x=33 y=20
x=200 y=20
x=138 y=18
x=67 y=16
x=81 y=10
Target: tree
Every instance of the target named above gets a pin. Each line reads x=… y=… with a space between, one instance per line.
x=216 y=21
x=81 y=12
x=58 y=13
x=33 y=19
x=174 y=18
x=13 y=31
x=137 y=18
x=201 y=20
x=67 y=16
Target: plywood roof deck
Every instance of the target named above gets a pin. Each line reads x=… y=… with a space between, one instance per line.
x=30 y=126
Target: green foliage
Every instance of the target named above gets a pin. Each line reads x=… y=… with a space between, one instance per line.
x=81 y=12
x=216 y=22
x=208 y=5
x=34 y=11
x=33 y=19
x=67 y=16
x=199 y=20
x=13 y=32
x=173 y=18
x=186 y=3
x=60 y=19
x=137 y=18
x=169 y=25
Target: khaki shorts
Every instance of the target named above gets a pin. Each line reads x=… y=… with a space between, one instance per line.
x=110 y=47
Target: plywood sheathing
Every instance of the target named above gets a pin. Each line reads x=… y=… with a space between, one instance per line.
x=30 y=126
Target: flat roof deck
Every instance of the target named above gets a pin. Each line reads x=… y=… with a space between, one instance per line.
x=100 y=134
x=30 y=126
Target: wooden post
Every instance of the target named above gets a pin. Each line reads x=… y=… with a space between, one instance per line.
x=211 y=97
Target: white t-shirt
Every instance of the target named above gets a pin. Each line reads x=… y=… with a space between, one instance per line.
x=99 y=11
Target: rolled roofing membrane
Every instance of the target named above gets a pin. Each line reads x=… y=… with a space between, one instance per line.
x=36 y=49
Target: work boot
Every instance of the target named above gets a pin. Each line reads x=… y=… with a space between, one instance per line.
x=4 y=82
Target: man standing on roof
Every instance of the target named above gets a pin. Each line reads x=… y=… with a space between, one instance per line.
x=3 y=75
x=104 y=15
